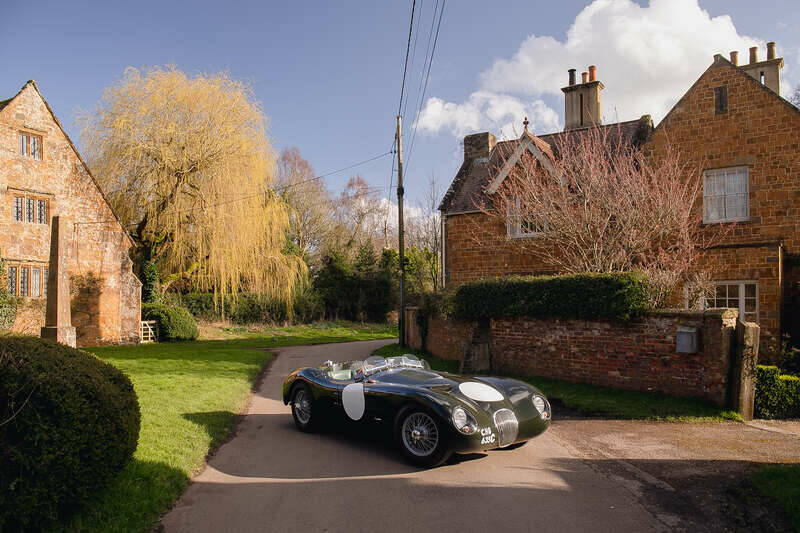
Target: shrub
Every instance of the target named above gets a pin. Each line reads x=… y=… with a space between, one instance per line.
x=777 y=396
x=150 y=278
x=174 y=323
x=584 y=296
x=8 y=304
x=68 y=423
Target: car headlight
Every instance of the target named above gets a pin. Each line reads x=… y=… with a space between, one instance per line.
x=463 y=421
x=541 y=405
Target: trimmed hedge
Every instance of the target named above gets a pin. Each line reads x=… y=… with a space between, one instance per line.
x=583 y=296
x=777 y=396
x=72 y=423
x=248 y=308
x=174 y=323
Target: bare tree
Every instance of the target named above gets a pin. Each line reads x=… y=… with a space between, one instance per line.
x=359 y=213
x=311 y=205
x=602 y=206
x=424 y=232
x=795 y=98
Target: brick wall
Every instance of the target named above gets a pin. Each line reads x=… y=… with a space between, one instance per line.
x=638 y=356
x=109 y=313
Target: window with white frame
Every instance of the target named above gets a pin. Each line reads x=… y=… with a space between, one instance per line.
x=726 y=195
x=519 y=225
x=741 y=295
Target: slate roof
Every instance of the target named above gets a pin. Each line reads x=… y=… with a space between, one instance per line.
x=466 y=192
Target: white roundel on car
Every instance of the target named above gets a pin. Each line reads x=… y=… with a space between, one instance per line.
x=480 y=392
x=353 y=400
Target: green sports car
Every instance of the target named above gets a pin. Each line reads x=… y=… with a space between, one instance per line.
x=432 y=414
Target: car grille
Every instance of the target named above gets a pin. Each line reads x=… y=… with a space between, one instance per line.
x=507 y=426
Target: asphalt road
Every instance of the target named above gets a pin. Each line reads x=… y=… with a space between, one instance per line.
x=271 y=477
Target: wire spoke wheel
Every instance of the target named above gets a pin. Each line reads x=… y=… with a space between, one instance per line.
x=420 y=434
x=302 y=406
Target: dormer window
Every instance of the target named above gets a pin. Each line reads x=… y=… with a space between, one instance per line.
x=30 y=145
x=721 y=99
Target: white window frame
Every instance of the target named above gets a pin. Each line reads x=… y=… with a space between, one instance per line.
x=514 y=223
x=741 y=297
x=706 y=195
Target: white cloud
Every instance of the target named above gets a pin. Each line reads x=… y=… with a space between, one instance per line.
x=647 y=57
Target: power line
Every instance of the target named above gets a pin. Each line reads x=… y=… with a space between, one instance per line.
x=408 y=48
x=414 y=49
x=425 y=88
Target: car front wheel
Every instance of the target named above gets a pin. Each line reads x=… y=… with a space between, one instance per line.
x=303 y=407
x=421 y=438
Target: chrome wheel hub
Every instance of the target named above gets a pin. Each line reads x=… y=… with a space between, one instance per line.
x=420 y=434
x=302 y=406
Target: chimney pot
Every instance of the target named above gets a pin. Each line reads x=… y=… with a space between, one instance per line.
x=584 y=77
x=753 y=54
x=592 y=73
x=571 y=76
x=770 y=50
x=735 y=58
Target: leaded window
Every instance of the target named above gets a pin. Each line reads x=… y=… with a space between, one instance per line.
x=30 y=145
x=30 y=204
x=12 y=280
x=41 y=211
x=24 y=275
x=18 y=209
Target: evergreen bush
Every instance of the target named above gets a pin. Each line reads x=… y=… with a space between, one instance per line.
x=582 y=296
x=68 y=424
x=777 y=395
x=174 y=323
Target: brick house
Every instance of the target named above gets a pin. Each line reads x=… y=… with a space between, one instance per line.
x=733 y=124
x=43 y=175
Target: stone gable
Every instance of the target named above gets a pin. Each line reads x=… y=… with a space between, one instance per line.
x=106 y=297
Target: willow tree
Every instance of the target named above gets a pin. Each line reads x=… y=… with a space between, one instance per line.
x=187 y=165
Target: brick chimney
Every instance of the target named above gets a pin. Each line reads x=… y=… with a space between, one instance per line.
x=582 y=102
x=478 y=145
x=766 y=72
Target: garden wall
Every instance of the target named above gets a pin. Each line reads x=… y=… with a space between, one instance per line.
x=639 y=355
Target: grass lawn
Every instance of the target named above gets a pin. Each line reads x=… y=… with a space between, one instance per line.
x=592 y=399
x=189 y=394
x=781 y=483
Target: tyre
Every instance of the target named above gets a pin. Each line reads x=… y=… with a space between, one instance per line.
x=303 y=408
x=421 y=437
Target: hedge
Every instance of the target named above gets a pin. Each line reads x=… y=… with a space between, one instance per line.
x=248 y=308
x=68 y=424
x=777 y=396
x=583 y=296
x=174 y=323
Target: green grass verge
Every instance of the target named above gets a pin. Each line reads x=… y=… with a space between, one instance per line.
x=592 y=399
x=781 y=483
x=189 y=394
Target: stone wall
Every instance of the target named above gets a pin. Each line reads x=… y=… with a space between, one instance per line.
x=109 y=313
x=640 y=355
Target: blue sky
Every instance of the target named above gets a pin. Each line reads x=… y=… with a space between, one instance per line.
x=328 y=73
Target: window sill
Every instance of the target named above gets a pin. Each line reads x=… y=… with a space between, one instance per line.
x=732 y=221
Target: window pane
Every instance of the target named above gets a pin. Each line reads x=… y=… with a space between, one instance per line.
x=21 y=144
x=733 y=291
x=35 y=282
x=41 y=210
x=36 y=152
x=716 y=208
x=737 y=181
x=18 y=208
x=30 y=204
x=12 y=280
x=722 y=292
x=749 y=305
x=750 y=290
x=23 y=281
x=44 y=282
x=736 y=206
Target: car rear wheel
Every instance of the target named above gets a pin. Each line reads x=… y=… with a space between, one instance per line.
x=303 y=407
x=421 y=438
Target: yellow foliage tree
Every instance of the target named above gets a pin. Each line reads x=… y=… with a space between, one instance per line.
x=187 y=165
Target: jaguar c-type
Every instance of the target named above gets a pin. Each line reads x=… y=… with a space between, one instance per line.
x=431 y=414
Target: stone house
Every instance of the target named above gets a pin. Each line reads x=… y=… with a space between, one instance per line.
x=42 y=175
x=732 y=124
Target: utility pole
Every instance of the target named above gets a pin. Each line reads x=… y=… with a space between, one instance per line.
x=401 y=244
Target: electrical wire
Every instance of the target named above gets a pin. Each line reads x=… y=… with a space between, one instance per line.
x=408 y=49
